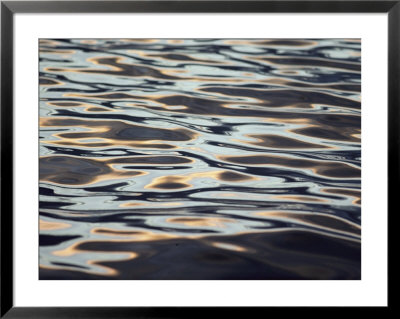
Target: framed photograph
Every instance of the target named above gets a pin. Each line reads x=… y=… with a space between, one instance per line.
x=165 y=157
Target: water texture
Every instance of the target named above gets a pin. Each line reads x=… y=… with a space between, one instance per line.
x=200 y=159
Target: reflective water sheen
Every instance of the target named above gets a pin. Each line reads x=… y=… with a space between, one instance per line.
x=200 y=159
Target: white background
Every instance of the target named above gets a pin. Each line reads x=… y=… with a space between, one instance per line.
x=370 y=291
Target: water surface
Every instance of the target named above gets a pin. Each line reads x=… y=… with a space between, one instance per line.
x=200 y=159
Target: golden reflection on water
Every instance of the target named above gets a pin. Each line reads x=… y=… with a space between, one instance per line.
x=300 y=198
x=201 y=222
x=180 y=181
x=47 y=225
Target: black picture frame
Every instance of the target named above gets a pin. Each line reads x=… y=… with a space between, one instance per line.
x=9 y=8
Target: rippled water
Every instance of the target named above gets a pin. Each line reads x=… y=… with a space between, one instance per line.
x=200 y=159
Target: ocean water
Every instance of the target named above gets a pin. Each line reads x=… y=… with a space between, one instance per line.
x=200 y=159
